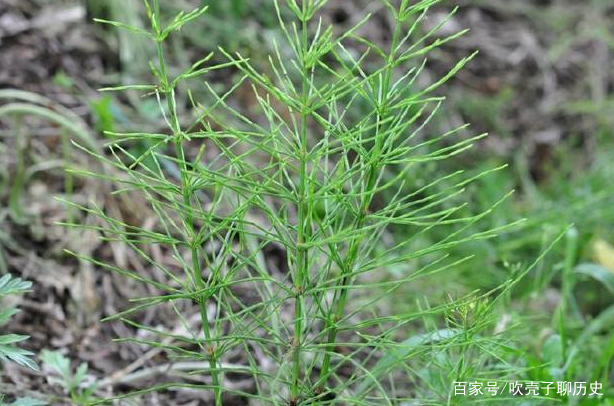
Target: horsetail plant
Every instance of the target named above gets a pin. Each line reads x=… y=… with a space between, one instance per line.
x=319 y=168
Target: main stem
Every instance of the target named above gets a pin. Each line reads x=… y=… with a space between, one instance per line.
x=193 y=241
x=340 y=297
x=302 y=252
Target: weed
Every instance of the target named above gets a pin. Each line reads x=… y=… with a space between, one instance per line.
x=75 y=384
x=306 y=171
x=9 y=351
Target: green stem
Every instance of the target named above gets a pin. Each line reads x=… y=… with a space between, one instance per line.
x=15 y=207
x=302 y=252
x=68 y=177
x=187 y=192
x=567 y=302
x=340 y=299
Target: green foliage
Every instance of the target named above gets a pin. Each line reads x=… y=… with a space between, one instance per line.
x=8 y=350
x=598 y=273
x=10 y=285
x=22 y=103
x=307 y=170
x=235 y=24
x=23 y=402
x=75 y=383
x=103 y=114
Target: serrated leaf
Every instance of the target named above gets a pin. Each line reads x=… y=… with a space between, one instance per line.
x=80 y=374
x=10 y=285
x=12 y=338
x=17 y=355
x=6 y=314
x=57 y=363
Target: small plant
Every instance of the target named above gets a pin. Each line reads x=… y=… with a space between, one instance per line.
x=9 y=351
x=321 y=168
x=10 y=285
x=78 y=385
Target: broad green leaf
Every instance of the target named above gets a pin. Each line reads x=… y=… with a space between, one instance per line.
x=599 y=273
x=553 y=356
